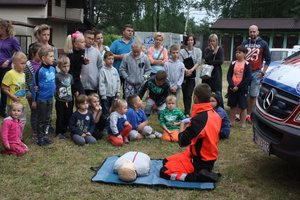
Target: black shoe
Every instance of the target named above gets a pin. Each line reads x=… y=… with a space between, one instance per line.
x=41 y=142
x=48 y=141
x=51 y=130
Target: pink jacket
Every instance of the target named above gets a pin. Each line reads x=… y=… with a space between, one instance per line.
x=11 y=131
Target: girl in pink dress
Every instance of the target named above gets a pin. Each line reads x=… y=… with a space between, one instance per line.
x=11 y=132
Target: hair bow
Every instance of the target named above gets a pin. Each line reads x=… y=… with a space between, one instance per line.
x=75 y=35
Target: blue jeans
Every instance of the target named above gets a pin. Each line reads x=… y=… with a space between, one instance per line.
x=106 y=104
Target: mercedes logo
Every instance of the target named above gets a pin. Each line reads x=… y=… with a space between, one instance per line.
x=268 y=100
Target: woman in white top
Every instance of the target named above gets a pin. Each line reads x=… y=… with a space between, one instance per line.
x=191 y=57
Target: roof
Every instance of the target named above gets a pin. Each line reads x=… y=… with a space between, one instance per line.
x=23 y=2
x=262 y=23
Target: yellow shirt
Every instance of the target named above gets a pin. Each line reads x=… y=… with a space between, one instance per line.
x=16 y=83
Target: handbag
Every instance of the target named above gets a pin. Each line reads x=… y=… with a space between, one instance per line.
x=206 y=71
x=189 y=64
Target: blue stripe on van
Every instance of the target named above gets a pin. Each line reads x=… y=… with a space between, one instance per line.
x=283 y=87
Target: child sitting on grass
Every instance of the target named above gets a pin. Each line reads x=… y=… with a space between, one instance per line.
x=82 y=123
x=138 y=120
x=99 y=119
x=158 y=88
x=119 y=128
x=12 y=130
x=170 y=120
x=225 y=128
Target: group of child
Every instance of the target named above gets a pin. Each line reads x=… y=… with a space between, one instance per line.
x=91 y=119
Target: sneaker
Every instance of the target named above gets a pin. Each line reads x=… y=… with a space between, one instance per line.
x=61 y=136
x=157 y=134
x=248 y=119
x=51 y=130
x=41 y=142
x=151 y=136
x=48 y=141
x=243 y=128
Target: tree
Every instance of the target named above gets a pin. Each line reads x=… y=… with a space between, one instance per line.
x=252 y=9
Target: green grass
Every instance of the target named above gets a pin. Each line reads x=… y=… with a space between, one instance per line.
x=62 y=171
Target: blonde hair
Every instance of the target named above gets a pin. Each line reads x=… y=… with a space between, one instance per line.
x=18 y=55
x=63 y=60
x=171 y=98
x=159 y=34
x=93 y=95
x=17 y=104
x=136 y=44
x=117 y=103
x=127 y=171
x=71 y=39
x=211 y=36
x=40 y=28
x=45 y=50
x=7 y=27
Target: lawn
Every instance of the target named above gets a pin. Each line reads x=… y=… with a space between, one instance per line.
x=62 y=171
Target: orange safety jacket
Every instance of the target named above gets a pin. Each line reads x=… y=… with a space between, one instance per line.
x=202 y=134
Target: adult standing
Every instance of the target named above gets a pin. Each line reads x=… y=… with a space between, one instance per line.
x=214 y=55
x=258 y=51
x=122 y=46
x=157 y=54
x=8 y=46
x=90 y=71
x=99 y=43
x=191 y=56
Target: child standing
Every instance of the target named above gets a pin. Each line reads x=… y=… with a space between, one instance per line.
x=170 y=120
x=138 y=120
x=133 y=67
x=32 y=65
x=225 y=128
x=119 y=128
x=12 y=130
x=109 y=83
x=63 y=96
x=175 y=70
x=158 y=88
x=43 y=89
x=238 y=77
x=201 y=138
x=74 y=48
x=99 y=119
x=82 y=123
x=13 y=84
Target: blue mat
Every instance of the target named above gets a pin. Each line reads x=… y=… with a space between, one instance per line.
x=106 y=175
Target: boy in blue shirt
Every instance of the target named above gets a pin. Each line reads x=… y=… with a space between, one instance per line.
x=42 y=93
x=138 y=120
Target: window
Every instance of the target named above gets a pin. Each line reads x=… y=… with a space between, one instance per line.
x=25 y=41
x=58 y=3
